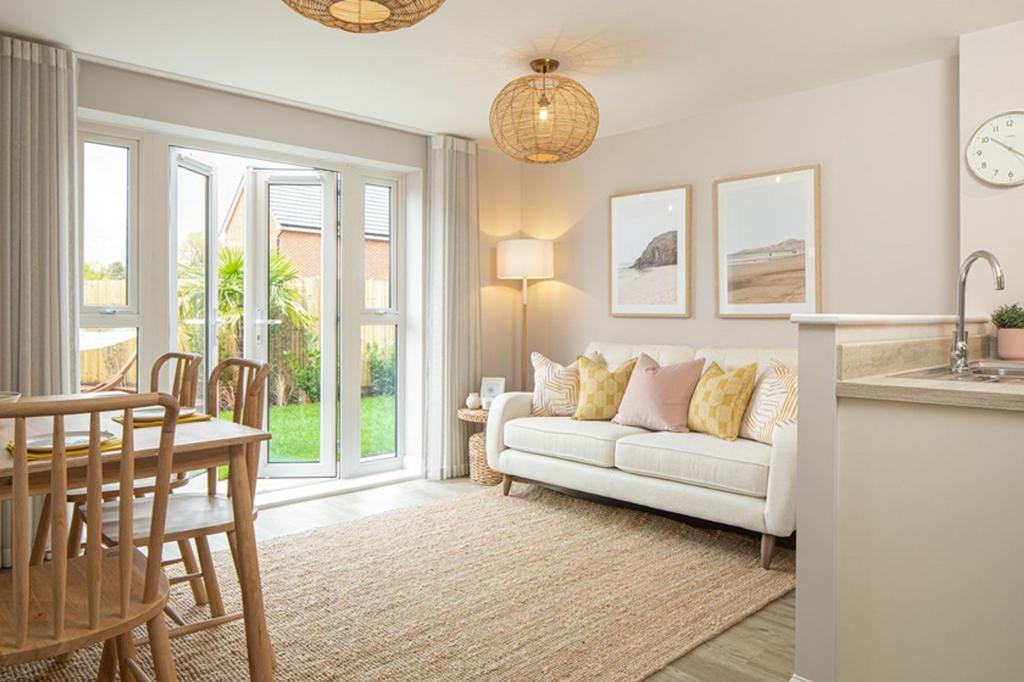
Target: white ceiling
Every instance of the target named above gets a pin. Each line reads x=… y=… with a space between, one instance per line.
x=646 y=61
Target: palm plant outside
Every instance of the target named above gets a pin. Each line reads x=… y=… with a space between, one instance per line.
x=285 y=299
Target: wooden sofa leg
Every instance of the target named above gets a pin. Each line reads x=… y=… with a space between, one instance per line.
x=506 y=484
x=767 y=550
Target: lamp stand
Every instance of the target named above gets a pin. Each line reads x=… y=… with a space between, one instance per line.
x=522 y=343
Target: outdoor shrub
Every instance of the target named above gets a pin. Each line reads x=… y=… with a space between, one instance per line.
x=1008 y=317
x=382 y=369
x=307 y=376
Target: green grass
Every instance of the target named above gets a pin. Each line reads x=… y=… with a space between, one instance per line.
x=296 y=430
x=378 y=425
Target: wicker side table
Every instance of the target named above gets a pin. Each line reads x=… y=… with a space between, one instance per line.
x=479 y=472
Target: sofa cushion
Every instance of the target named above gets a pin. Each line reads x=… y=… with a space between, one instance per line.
x=739 y=466
x=556 y=388
x=590 y=442
x=774 y=402
x=601 y=388
x=657 y=396
x=721 y=398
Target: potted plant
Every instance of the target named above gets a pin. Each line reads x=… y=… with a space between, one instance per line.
x=1009 y=319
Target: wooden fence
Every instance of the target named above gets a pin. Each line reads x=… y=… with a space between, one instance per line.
x=99 y=364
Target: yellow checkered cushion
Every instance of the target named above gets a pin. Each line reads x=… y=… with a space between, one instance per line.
x=601 y=389
x=720 y=400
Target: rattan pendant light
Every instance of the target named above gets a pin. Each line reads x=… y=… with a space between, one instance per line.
x=366 y=16
x=544 y=118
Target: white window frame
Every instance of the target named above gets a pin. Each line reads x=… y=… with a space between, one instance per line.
x=353 y=307
x=127 y=315
x=180 y=160
x=88 y=135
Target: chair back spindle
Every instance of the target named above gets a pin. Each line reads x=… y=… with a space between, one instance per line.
x=248 y=398
x=50 y=630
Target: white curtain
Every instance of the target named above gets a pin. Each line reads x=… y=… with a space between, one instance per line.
x=453 y=304
x=38 y=252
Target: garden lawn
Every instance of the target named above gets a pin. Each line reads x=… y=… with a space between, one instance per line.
x=296 y=429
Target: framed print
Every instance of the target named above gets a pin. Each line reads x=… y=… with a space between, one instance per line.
x=768 y=243
x=650 y=253
x=491 y=387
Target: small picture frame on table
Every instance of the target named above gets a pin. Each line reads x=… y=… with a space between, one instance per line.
x=491 y=388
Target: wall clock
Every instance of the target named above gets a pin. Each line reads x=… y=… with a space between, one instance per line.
x=995 y=153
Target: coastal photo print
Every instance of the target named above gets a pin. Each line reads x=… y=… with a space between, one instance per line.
x=650 y=253
x=767 y=243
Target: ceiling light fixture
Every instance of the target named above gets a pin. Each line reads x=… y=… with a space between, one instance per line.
x=366 y=16
x=544 y=118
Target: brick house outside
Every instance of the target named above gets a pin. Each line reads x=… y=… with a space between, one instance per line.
x=295 y=221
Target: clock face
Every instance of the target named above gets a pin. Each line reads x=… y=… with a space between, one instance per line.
x=996 y=152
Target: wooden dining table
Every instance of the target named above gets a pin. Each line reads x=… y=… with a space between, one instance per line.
x=197 y=445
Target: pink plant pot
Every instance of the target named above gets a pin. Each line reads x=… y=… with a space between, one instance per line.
x=1011 y=344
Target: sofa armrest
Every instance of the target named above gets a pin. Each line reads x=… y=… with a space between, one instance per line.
x=505 y=408
x=780 y=504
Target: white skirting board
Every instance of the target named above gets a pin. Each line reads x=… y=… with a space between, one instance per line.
x=797 y=678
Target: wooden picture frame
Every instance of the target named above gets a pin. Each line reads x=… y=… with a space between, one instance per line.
x=635 y=222
x=761 y=207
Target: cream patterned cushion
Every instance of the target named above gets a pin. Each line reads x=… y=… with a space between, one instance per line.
x=774 y=402
x=721 y=398
x=556 y=388
x=601 y=389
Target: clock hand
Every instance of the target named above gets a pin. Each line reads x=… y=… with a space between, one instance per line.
x=1006 y=146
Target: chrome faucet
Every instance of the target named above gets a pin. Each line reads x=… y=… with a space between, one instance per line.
x=958 y=353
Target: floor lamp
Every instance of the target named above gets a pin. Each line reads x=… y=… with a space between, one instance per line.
x=525 y=259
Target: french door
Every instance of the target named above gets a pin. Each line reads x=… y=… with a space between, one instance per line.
x=290 y=318
x=301 y=270
x=193 y=217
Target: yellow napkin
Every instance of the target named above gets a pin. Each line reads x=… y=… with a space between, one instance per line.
x=110 y=445
x=146 y=423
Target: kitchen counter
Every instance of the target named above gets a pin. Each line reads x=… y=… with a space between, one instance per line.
x=911 y=520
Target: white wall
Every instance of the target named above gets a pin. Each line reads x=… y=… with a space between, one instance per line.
x=887 y=145
x=129 y=93
x=991 y=82
x=500 y=208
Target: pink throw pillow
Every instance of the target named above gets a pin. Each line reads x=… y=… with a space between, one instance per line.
x=658 y=398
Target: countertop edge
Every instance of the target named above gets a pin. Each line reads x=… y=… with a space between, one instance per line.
x=844 y=319
x=909 y=391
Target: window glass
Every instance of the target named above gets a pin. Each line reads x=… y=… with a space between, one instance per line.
x=378 y=405
x=377 y=246
x=192 y=212
x=108 y=358
x=105 y=222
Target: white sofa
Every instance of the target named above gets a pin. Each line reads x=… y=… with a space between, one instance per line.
x=741 y=483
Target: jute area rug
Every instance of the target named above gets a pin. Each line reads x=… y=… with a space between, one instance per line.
x=532 y=587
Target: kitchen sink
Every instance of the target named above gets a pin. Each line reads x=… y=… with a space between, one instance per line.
x=997 y=369
x=977 y=371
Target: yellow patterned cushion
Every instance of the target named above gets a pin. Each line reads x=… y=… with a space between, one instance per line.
x=720 y=400
x=601 y=389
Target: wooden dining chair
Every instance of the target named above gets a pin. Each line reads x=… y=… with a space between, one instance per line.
x=196 y=516
x=51 y=609
x=184 y=387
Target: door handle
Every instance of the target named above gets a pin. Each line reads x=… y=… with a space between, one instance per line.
x=267 y=323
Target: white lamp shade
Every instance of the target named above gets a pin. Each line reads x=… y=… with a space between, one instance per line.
x=526 y=259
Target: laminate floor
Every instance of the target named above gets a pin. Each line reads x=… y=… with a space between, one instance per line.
x=758 y=649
